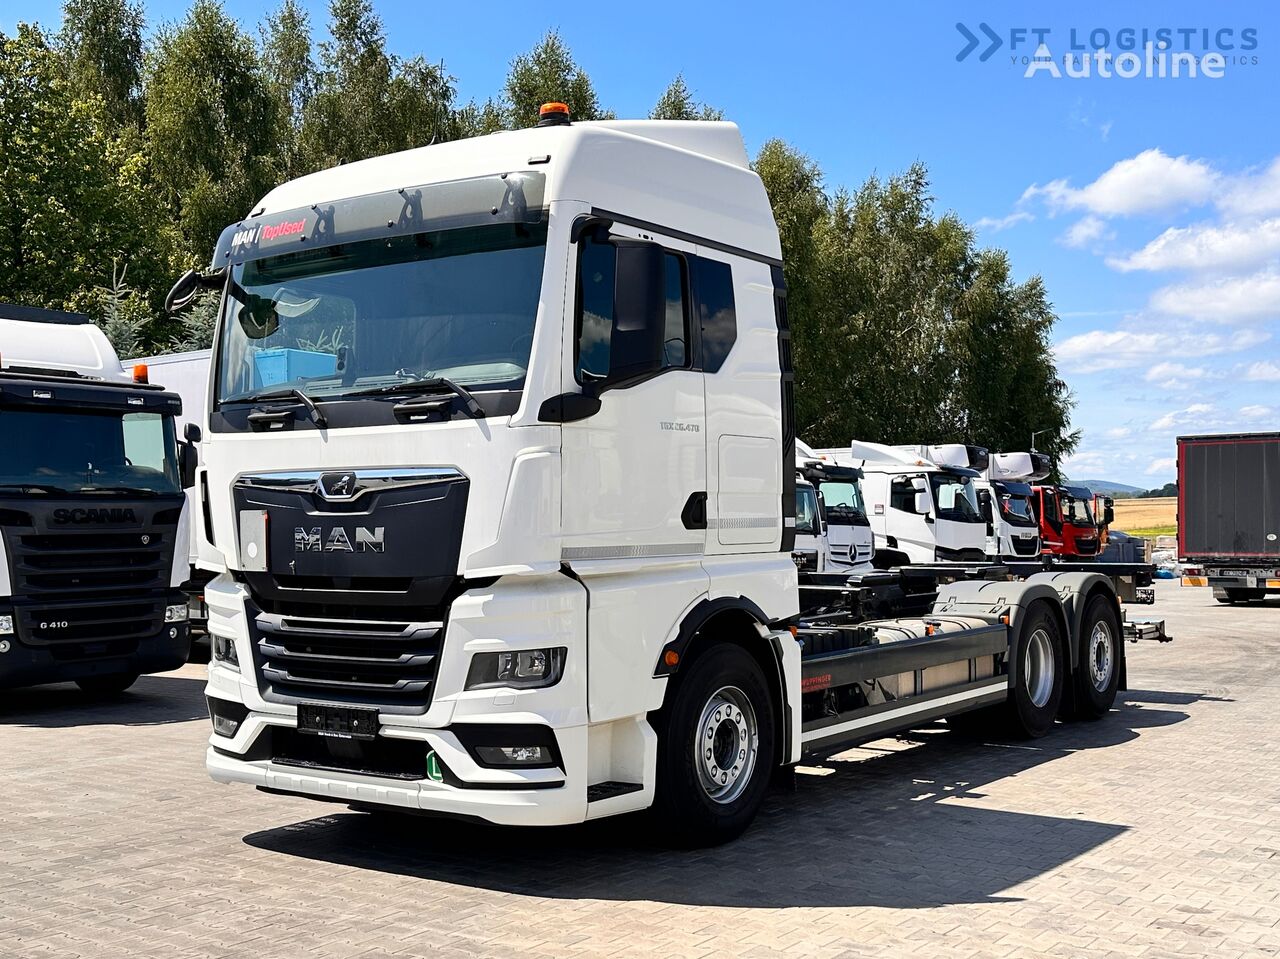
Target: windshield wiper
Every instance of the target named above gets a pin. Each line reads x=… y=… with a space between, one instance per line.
x=285 y=393
x=425 y=387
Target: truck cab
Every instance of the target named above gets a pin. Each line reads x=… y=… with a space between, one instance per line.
x=93 y=541
x=812 y=549
x=847 y=529
x=1007 y=487
x=1067 y=526
x=920 y=511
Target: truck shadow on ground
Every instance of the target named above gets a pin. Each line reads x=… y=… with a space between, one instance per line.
x=899 y=827
x=151 y=701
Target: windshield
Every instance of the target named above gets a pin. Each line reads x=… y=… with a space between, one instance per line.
x=955 y=497
x=57 y=451
x=806 y=510
x=458 y=304
x=843 y=502
x=1015 y=503
x=1077 y=511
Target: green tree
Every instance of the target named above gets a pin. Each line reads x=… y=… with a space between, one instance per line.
x=478 y=119
x=677 y=103
x=102 y=42
x=548 y=73
x=198 y=322
x=290 y=70
x=212 y=124
x=123 y=314
x=794 y=185
x=368 y=101
x=74 y=197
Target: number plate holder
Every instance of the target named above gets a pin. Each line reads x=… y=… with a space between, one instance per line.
x=338 y=722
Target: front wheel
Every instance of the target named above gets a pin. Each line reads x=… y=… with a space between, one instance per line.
x=715 y=749
x=1097 y=675
x=106 y=684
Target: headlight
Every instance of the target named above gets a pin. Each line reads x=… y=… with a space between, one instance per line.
x=519 y=669
x=176 y=613
x=6 y=624
x=224 y=650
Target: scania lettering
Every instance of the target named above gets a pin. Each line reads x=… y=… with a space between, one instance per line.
x=93 y=538
x=576 y=613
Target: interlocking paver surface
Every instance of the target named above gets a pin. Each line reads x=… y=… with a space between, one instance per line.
x=1154 y=832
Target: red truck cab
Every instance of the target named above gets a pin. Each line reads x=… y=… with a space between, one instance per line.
x=1067 y=526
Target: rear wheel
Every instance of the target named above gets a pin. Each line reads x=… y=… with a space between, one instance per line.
x=109 y=683
x=1097 y=676
x=1036 y=690
x=716 y=749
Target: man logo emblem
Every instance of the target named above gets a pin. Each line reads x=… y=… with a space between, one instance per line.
x=337 y=485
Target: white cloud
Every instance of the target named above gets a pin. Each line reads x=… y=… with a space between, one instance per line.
x=1202 y=246
x=1257 y=412
x=1254 y=194
x=1264 y=371
x=1099 y=350
x=996 y=224
x=1079 y=463
x=1223 y=300
x=1163 y=465
x=1173 y=376
x=1118 y=432
x=1086 y=232
x=1202 y=414
x=1150 y=182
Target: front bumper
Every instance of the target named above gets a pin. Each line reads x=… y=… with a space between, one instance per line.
x=26 y=665
x=520 y=612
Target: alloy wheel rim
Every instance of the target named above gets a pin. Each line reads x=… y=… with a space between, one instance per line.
x=727 y=744
x=1101 y=655
x=1038 y=668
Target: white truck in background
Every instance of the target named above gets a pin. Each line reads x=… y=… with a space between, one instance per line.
x=849 y=543
x=921 y=512
x=187 y=374
x=1004 y=493
x=500 y=464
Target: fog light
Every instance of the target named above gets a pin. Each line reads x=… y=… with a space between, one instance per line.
x=225 y=726
x=224 y=651
x=514 y=755
x=6 y=624
x=522 y=668
x=226 y=715
x=177 y=613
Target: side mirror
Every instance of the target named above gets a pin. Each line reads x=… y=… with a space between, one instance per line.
x=984 y=503
x=191 y=433
x=919 y=482
x=187 y=462
x=921 y=504
x=1108 y=515
x=640 y=311
x=188 y=286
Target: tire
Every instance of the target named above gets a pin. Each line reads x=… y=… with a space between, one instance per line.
x=1097 y=675
x=705 y=794
x=108 y=683
x=1038 y=668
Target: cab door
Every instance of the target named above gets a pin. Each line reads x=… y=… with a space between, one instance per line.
x=634 y=472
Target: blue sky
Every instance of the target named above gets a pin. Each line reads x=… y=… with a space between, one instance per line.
x=1151 y=206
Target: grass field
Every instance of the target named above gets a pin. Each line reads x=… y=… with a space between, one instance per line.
x=1147 y=517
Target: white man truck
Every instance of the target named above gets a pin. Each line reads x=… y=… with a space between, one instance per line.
x=500 y=466
x=93 y=544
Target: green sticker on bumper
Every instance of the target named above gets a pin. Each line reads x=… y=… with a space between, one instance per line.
x=434 y=772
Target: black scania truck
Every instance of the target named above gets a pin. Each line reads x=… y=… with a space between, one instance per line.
x=91 y=510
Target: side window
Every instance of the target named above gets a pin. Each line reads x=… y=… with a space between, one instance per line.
x=597 y=272
x=717 y=316
x=902 y=495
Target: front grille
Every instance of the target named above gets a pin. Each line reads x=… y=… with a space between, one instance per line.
x=367 y=661
x=1025 y=547
x=89 y=593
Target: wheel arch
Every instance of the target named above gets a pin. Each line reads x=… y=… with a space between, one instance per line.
x=738 y=621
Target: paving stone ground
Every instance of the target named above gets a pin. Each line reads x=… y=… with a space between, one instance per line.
x=1154 y=832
